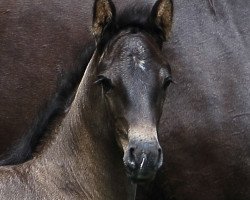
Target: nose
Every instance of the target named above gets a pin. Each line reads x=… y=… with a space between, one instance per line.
x=142 y=160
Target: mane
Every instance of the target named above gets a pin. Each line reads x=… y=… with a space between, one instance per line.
x=22 y=151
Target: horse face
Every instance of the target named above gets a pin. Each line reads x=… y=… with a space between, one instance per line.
x=134 y=77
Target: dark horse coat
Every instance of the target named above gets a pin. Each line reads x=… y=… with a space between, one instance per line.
x=205 y=124
x=205 y=127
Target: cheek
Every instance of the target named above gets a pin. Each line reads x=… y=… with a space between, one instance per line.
x=112 y=108
x=120 y=123
x=161 y=105
x=115 y=107
x=122 y=139
x=158 y=105
x=162 y=99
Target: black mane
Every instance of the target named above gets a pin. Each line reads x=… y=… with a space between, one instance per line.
x=135 y=18
x=22 y=151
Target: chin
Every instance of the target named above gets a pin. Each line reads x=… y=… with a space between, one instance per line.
x=142 y=178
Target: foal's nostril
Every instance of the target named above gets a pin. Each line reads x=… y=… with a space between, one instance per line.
x=131 y=158
x=131 y=151
x=132 y=154
x=159 y=157
x=159 y=151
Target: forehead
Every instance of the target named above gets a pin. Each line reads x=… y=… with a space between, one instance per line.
x=133 y=51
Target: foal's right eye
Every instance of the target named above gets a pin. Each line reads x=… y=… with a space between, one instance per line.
x=105 y=82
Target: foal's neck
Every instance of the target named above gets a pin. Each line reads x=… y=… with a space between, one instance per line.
x=82 y=151
x=75 y=133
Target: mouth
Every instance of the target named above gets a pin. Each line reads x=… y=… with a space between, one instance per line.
x=141 y=176
x=142 y=161
x=141 y=172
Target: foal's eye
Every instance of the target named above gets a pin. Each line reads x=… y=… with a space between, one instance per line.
x=105 y=82
x=167 y=82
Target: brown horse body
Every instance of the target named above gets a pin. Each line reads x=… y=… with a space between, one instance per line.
x=205 y=125
x=39 y=40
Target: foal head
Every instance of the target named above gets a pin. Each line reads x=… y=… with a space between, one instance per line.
x=134 y=76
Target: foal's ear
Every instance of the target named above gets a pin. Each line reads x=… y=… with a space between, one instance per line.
x=103 y=16
x=162 y=16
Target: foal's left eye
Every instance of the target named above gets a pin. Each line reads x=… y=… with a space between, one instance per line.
x=105 y=82
x=167 y=82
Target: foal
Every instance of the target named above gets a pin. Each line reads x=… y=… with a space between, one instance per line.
x=120 y=96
